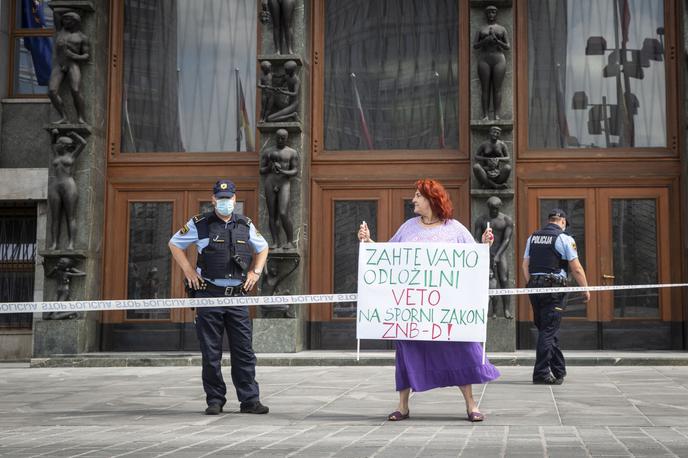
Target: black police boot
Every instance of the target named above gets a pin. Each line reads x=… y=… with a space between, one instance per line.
x=213 y=409
x=549 y=380
x=254 y=407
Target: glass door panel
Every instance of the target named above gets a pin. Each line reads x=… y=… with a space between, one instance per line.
x=635 y=249
x=620 y=242
x=149 y=258
x=638 y=254
x=348 y=215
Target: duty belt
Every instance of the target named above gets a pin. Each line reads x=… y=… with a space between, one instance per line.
x=547 y=280
x=237 y=290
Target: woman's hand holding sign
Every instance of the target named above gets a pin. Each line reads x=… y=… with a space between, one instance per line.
x=488 y=236
x=364 y=233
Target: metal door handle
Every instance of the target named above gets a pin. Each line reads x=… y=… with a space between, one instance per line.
x=608 y=277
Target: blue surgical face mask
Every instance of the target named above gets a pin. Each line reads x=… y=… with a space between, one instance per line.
x=225 y=207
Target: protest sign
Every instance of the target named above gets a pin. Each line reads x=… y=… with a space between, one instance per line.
x=423 y=291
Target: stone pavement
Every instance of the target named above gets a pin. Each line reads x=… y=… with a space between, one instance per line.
x=318 y=411
x=364 y=358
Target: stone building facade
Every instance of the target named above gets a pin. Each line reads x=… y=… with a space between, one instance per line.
x=517 y=106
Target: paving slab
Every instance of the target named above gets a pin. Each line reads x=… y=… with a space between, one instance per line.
x=340 y=411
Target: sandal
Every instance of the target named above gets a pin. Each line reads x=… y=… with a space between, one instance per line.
x=398 y=416
x=475 y=416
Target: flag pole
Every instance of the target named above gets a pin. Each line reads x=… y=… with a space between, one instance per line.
x=364 y=124
x=440 y=112
x=238 y=111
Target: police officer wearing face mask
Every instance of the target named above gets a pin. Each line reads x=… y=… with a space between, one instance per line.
x=231 y=257
x=550 y=254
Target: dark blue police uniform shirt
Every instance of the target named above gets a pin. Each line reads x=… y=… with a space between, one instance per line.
x=564 y=245
x=190 y=235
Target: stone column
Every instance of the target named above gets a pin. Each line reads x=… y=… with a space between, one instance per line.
x=283 y=328
x=80 y=334
x=498 y=183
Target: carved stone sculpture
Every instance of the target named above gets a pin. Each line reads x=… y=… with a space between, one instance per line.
x=492 y=40
x=492 y=168
x=63 y=271
x=281 y=14
x=278 y=268
x=267 y=93
x=62 y=190
x=279 y=165
x=502 y=227
x=71 y=48
x=291 y=89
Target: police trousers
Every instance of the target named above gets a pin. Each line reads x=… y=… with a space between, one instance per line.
x=548 y=309
x=211 y=323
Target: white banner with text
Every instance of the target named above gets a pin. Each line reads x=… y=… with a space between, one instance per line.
x=423 y=291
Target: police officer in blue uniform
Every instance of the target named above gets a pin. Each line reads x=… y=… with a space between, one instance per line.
x=550 y=254
x=231 y=257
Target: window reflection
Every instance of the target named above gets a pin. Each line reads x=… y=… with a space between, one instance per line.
x=31 y=73
x=348 y=215
x=634 y=240
x=180 y=86
x=596 y=73
x=391 y=74
x=575 y=210
x=149 y=265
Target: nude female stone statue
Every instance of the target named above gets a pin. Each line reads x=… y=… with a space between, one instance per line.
x=282 y=15
x=492 y=40
x=62 y=190
x=491 y=167
x=292 y=90
x=71 y=48
x=279 y=165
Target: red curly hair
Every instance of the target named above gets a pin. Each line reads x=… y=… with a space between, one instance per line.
x=440 y=202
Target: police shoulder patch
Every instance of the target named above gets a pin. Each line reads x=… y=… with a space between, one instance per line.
x=573 y=245
x=198 y=217
x=184 y=229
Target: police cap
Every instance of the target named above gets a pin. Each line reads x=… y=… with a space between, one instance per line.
x=558 y=213
x=224 y=188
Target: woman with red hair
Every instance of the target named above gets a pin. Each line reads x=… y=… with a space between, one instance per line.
x=423 y=365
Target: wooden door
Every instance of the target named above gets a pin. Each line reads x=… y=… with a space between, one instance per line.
x=339 y=209
x=139 y=265
x=620 y=241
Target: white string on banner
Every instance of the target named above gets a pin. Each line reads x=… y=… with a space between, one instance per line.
x=236 y=301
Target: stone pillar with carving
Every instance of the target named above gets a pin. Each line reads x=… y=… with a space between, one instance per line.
x=492 y=158
x=283 y=207
x=72 y=256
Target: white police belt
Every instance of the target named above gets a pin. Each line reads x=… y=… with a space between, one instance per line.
x=236 y=301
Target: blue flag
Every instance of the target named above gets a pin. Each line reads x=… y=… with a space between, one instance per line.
x=33 y=17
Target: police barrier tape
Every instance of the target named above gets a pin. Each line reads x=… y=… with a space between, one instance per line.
x=137 y=304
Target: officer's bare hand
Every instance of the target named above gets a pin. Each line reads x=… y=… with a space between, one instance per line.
x=586 y=296
x=193 y=278
x=251 y=280
x=488 y=236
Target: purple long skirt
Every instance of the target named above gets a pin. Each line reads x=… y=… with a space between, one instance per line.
x=424 y=365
